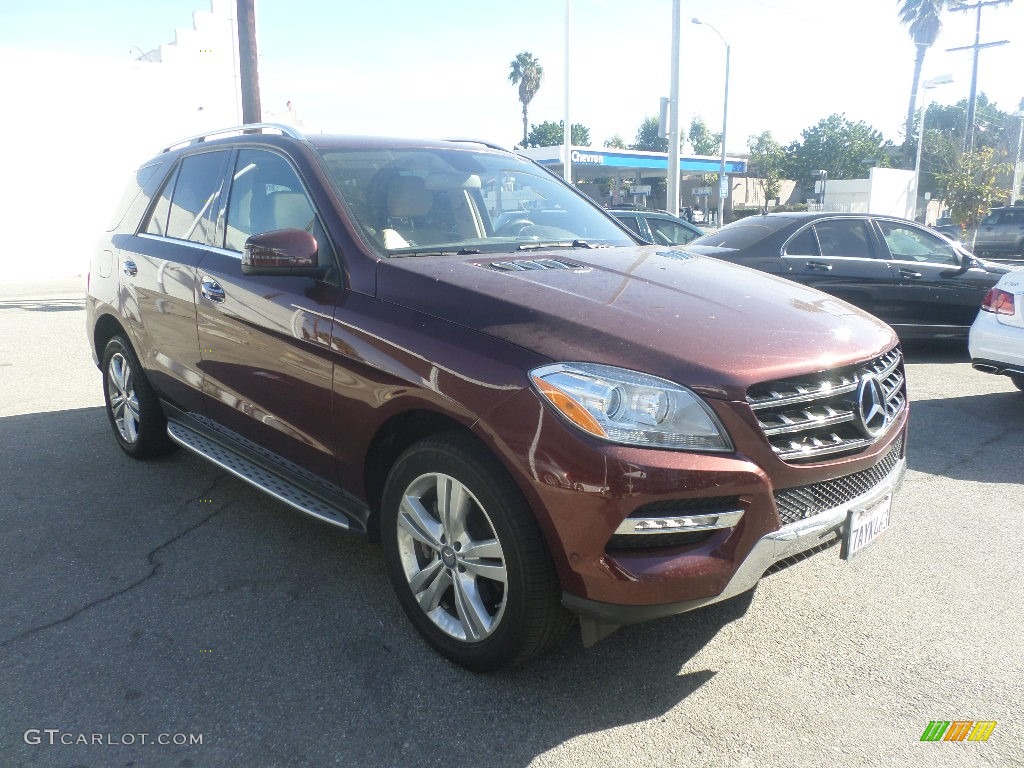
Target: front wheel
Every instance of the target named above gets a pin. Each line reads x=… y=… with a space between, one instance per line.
x=1018 y=380
x=466 y=558
x=133 y=407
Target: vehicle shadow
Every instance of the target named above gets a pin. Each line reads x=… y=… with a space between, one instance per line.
x=975 y=437
x=931 y=351
x=165 y=596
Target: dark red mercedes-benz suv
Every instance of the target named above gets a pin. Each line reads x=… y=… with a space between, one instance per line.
x=442 y=346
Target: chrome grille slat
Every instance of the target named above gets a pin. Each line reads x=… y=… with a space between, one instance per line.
x=814 y=416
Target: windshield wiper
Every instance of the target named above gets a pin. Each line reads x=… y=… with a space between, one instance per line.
x=427 y=252
x=557 y=244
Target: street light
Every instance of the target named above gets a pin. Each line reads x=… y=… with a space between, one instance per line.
x=723 y=183
x=926 y=85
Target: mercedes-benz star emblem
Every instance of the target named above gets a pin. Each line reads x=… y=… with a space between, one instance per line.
x=872 y=418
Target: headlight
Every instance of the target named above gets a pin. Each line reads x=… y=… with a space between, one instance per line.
x=625 y=406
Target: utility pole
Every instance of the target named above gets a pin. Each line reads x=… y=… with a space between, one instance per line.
x=1017 y=170
x=246 y=15
x=672 y=182
x=972 y=100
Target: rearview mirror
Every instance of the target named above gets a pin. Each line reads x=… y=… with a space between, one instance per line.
x=282 y=252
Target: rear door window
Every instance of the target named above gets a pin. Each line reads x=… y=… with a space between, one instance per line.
x=844 y=238
x=193 y=202
x=804 y=244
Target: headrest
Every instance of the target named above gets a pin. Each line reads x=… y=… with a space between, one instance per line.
x=290 y=210
x=408 y=196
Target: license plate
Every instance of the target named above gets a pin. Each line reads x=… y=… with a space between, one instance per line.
x=865 y=525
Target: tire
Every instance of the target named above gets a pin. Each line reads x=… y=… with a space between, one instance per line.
x=138 y=421
x=478 y=583
x=1018 y=380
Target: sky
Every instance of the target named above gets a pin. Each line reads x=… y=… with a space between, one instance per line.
x=440 y=68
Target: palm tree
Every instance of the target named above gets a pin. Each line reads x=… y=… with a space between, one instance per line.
x=526 y=71
x=922 y=19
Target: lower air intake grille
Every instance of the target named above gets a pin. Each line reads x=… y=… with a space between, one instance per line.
x=809 y=500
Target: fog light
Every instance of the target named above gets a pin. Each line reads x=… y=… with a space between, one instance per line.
x=680 y=523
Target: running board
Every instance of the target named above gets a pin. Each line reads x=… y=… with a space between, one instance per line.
x=259 y=477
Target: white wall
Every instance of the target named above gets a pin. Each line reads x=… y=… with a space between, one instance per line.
x=886 y=191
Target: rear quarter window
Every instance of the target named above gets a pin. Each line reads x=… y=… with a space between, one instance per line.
x=140 y=181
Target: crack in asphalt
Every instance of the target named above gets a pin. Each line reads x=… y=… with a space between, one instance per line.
x=150 y=558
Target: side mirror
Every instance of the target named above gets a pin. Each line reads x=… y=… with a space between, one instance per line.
x=282 y=252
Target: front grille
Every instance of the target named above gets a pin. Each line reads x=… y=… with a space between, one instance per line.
x=809 y=417
x=809 y=500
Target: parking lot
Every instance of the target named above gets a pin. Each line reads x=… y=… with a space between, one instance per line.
x=171 y=600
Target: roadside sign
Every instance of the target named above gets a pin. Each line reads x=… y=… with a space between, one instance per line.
x=723 y=187
x=701 y=191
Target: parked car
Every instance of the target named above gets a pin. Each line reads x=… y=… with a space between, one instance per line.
x=658 y=227
x=946 y=226
x=1001 y=233
x=997 y=336
x=920 y=283
x=536 y=421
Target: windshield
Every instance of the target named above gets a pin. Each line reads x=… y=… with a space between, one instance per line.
x=423 y=201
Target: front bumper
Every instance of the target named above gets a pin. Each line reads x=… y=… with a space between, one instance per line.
x=793 y=539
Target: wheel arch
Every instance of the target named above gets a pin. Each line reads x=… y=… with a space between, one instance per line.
x=107 y=327
x=392 y=438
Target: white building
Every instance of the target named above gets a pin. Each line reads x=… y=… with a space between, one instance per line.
x=76 y=126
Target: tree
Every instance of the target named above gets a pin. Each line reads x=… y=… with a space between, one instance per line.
x=615 y=142
x=648 y=138
x=703 y=141
x=922 y=17
x=551 y=134
x=526 y=72
x=970 y=187
x=844 y=149
x=766 y=160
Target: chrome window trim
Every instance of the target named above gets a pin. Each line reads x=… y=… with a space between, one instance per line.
x=191 y=244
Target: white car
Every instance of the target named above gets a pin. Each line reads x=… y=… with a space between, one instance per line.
x=996 y=341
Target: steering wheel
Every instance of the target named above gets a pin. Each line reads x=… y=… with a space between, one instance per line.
x=513 y=228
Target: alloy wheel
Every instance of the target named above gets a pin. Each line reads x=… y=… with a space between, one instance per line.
x=451 y=557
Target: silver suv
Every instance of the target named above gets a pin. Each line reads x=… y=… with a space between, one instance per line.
x=1001 y=233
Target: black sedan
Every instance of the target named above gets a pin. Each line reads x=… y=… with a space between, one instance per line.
x=921 y=283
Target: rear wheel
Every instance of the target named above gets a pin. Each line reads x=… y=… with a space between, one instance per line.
x=466 y=558
x=1018 y=380
x=133 y=407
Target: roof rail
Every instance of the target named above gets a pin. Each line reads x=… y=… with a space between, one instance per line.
x=286 y=130
x=488 y=144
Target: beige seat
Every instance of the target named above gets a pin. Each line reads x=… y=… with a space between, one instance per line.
x=408 y=202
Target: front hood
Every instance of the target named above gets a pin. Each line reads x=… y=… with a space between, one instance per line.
x=712 y=326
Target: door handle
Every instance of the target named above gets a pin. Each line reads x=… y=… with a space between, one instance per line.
x=211 y=290
x=130 y=268
x=820 y=266
x=910 y=273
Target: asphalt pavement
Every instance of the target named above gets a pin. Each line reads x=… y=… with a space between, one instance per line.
x=165 y=614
